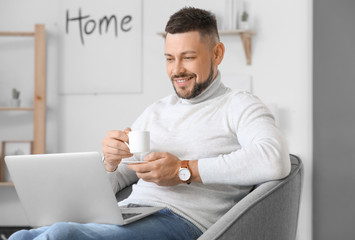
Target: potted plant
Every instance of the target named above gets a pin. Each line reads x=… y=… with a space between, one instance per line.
x=15 y=101
x=244 y=18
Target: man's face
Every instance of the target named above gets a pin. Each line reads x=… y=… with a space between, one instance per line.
x=189 y=63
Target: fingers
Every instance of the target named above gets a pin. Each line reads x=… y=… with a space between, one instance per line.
x=118 y=135
x=127 y=130
x=114 y=142
x=155 y=156
x=141 y=167
x=114 y=148
x=161 y=168
x=146 y=171
x=151 y=165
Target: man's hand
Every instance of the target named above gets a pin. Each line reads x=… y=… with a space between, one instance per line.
x=114 y=148
x=161 y=168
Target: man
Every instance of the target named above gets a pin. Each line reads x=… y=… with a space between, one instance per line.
x=226 y=141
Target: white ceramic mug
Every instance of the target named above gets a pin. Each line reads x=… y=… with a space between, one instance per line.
x=139 y=141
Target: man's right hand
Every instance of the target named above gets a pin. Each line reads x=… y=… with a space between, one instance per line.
x=114 y=148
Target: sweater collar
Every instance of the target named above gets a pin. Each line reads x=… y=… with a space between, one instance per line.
x=215 y=89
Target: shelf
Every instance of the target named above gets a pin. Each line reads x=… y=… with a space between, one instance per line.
x=39 y=96
x=17 y=34
x=16 y=108
x=6 y=184
x=236 y=32
x=245 y=35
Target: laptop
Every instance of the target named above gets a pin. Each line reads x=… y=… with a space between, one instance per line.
x=68 y=187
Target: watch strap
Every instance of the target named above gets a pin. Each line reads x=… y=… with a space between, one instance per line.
x=185 y=164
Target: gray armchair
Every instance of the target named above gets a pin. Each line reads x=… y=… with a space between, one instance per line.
x=269 y=212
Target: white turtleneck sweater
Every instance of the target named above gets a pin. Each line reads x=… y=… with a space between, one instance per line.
x=232 y=135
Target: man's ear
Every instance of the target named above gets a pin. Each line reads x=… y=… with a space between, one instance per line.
x=218 y=53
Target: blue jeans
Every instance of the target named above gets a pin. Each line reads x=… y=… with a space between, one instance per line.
x=160 y=225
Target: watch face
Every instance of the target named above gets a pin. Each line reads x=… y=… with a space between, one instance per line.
x=184 y=174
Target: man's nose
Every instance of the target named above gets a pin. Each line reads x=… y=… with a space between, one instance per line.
x=178 y=67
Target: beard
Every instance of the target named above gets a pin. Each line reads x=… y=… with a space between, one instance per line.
x=197 y=89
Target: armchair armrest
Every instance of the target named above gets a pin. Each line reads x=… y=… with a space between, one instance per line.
x=124 y=193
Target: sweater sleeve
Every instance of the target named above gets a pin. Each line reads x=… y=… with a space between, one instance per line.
x=121 y=178
x=261 y=153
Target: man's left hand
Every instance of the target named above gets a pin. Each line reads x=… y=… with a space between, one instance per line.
x=161 y=168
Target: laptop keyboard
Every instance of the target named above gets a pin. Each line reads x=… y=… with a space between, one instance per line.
x=129 y=215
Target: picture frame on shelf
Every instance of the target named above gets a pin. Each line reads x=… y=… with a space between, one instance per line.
x=8 y=148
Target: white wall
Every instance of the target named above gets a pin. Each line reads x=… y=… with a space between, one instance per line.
x=281 y=72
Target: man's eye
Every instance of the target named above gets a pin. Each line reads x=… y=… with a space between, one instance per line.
x=169 y=59
x=189 y=58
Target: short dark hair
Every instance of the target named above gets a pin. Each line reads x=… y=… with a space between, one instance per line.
x=193 y=19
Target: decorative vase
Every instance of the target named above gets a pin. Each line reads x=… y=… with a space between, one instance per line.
x=15 y=102
x=244 y=25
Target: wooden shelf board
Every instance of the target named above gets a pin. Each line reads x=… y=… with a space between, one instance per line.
x=6 y=184
x=17 y=34
x=236 y=32
x=224 y=32
x=16 y=108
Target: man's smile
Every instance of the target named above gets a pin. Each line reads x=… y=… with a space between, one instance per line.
x=182 y=81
